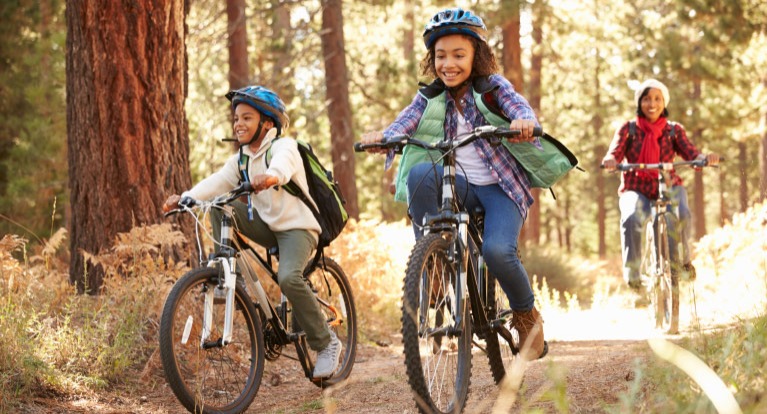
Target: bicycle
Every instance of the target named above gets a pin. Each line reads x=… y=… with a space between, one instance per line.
x=448 y=294
x=656 y=267
x=218 y=324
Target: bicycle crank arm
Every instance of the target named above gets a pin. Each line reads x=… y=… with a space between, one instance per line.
x=505 y=334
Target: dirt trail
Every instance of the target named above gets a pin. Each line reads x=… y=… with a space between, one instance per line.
x=594 y=363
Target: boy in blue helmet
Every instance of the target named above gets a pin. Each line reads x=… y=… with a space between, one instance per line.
x=279 y=218
x=466 y=73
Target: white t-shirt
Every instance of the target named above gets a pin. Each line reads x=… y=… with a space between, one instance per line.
x=468 y=162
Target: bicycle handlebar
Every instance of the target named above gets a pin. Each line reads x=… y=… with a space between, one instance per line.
x=490 y=133
x=188 y=203
x=664 y=166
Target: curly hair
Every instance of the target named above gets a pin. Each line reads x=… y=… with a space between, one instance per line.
x=484 y=63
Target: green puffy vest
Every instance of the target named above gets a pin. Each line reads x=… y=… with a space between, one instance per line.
x=544 y=166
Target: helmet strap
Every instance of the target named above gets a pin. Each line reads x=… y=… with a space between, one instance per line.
x=256 y=134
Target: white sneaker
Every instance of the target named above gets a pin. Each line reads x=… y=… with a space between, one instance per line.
x=327 y=359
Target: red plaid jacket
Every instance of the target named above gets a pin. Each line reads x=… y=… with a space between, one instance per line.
x=624 y=149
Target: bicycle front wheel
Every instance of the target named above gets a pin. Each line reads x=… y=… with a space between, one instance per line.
x=206 y=376
x=437 y=342
x=665 y=297
x=334 y=293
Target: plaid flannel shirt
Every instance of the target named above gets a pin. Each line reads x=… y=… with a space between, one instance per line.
x=630 y=180
x=511 y=177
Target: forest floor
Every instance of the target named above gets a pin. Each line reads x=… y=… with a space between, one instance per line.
x=587 y=368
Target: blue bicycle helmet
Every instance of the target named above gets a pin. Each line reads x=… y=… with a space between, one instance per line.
x=264 y=101
x=454 y=21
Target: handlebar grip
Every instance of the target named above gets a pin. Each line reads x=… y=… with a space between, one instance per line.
x=187 y=202
x=360 y=147
x=537 y=132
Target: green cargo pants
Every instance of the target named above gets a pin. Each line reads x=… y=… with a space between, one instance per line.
x=295 y=248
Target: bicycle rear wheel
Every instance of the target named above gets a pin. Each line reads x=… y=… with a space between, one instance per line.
x=665 y=298
x=437 y=352
x=499 y=351
x=205 y=376
x=329 y=283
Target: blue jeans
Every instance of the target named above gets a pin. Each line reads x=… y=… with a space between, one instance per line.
x=503 y=223
x=635 y=208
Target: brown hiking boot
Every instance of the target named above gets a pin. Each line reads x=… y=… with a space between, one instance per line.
x=529 y=325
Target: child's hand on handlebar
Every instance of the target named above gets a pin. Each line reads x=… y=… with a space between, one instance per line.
x=526 y=127
x=262 y=182
x=171 y=203
x=712 y=159
x=373 y=138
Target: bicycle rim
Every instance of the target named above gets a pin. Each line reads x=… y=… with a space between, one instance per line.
x=499 y=351
x=438 y=362
x=333 y=291
x=218 y=379
x=667 y=300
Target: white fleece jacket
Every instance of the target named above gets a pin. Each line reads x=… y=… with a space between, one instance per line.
x=278 y=209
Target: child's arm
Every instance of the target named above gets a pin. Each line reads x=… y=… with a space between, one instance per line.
x=261 y=182
x=285 y=161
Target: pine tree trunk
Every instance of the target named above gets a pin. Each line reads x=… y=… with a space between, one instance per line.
x=512 y=49
x=698 y=207
x=536 y=69
x=127 y=132
x=237 y=42
x=743 y=175
x=339 y=109
x=281 y=49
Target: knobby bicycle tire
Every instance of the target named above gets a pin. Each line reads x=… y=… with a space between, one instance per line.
x=216 y=380
x=329 y=282
x=438 y=363
x=499 y=351
x=666 y=299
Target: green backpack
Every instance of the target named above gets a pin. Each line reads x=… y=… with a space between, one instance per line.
x=544 y=166
x=323 y=189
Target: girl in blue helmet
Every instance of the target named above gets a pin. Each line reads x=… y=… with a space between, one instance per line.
x=278 y=218
x=464 y=66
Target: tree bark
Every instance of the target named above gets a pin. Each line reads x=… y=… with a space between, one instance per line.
x=512 y=49
x=698 y=207
x=237 y=42
x=339 y=109
x=127 y=132
x=763 y=159
x=281 y=48
x=743 y=175
x=536 y=69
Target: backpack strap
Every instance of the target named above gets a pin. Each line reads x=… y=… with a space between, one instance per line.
x=292 y=188
x=243 y=163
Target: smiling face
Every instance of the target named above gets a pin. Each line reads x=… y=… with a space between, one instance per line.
x=652 y=104
x=453 y=59
x=246 y=119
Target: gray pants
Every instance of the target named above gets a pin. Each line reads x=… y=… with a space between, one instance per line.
x=295 y=248
x=635 y=208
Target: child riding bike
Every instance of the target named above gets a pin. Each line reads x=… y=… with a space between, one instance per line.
x=272 y=218
x=467 y=83
x=651 y=138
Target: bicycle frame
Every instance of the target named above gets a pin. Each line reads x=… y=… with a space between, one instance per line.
x=237 y=251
